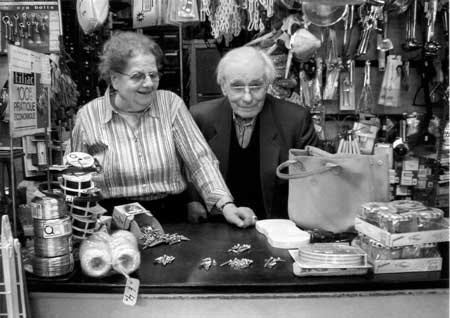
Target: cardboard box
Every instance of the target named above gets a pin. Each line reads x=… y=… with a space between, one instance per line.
x=132 y=217
x=402 y=239
x=407 y=265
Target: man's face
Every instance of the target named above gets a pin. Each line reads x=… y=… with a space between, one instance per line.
x=245 y=87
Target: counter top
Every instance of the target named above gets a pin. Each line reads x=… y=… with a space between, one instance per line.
x=213 y=239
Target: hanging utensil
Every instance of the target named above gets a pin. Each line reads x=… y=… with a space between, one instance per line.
x=368 y=15
x=323 y=15
x=411 y=41
x=386 y=43
x=366 y=101
x=431 y=46
x=348 y=26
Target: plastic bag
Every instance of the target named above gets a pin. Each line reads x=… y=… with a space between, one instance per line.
x=92 y=14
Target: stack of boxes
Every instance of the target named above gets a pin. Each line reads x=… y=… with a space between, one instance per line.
x=401 y=236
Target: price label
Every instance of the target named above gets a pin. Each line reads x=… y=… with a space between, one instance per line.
x=131 y=291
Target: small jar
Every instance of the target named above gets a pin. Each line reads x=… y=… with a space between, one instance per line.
x=411 y=251
x=378 y=251
x=363 y=242
x=402 y=206
x=399 y=223
x=429 y=250
x=370 y=211
x=430 y=219
x=395 y=252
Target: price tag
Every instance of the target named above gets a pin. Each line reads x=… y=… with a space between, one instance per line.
x=131 y=291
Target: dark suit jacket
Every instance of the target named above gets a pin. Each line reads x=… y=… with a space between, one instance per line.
x=283 y=125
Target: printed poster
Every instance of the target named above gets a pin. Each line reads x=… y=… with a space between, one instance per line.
x=29 y=88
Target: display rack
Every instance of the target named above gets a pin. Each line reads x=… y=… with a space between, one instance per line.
x=13 y=295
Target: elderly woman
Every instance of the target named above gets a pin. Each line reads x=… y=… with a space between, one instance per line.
x=145 y=138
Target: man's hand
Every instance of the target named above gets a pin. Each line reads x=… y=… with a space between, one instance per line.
x=241 y=217
x=196 y=211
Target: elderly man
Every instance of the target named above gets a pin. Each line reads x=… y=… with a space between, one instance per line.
x=251 y=132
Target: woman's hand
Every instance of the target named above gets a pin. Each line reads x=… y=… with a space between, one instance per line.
x=195 y=212
x=240 y=216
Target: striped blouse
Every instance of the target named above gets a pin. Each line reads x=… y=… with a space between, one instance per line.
x=150 y=161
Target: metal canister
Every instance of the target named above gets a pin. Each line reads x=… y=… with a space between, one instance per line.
x=48 y=208
x=53 y=266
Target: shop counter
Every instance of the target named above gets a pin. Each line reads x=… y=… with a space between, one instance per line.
x=183 y=289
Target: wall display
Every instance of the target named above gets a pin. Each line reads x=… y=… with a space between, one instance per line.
x=29 y=84
x=32 y=25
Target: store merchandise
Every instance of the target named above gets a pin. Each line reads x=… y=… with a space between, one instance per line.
x=403 y=216
x=52 y=255
x=81 y=194
x=326 y=190
x=398 y=259
x=329 y=259
x=95 y=255
x=102 y=254
x=282 y=233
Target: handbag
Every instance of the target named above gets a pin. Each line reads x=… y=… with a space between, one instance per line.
x=326 y=190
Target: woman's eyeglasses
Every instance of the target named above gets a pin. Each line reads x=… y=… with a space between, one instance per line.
x=139 y=77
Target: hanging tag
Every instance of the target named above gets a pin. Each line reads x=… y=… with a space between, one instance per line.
x=131 y=292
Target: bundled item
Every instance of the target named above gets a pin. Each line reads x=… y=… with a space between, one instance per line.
x=124 y=251
x=402 y=216
x=52 y=266
x=326 y=190
x=329 y=259
x=365 y=135
x=95 y=255
x=377 y=251
x=81 y=194
x=101 y=253
x=402 y=223
x=390 y=87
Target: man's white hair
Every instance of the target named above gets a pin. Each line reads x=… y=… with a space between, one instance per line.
x=236 y=55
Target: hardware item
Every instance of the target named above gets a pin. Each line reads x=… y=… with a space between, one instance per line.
x=238 y=264
x=239 y=248
x=53 y=266
x=271 y=262
x=369 y=15
x=207 y=263
x=152 y=237
x=52 y=247
x=164 y=260
x=366 y=102
x=411 y=25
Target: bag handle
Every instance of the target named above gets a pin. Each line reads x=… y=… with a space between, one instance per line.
x=286 y=176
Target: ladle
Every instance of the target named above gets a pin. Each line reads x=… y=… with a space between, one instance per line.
x=386 y=43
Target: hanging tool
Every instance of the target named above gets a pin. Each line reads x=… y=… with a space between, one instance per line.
x=369 y=15
x=366 y=102
x=347 y=87
x=431 y=46
x=411 y=41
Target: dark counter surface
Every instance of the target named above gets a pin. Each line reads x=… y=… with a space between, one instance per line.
x=213 y=240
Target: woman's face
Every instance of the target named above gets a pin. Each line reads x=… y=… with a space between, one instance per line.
x=136 y=83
